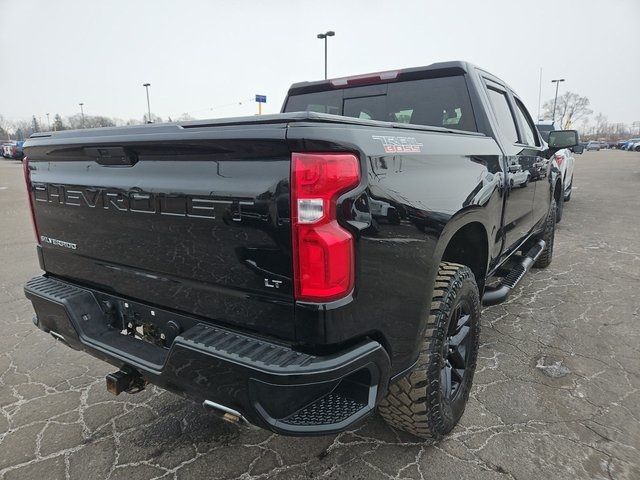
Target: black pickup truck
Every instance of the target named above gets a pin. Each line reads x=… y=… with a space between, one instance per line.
x=297 y=271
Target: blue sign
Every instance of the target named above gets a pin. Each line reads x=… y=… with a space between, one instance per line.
x=261 y=98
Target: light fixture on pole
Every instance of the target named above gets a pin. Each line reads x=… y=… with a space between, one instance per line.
x=323 y=36
x=555 y=99
x=147 y=85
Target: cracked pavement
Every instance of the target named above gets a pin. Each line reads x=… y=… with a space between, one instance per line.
x=556 y=393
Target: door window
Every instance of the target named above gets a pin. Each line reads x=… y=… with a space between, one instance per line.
x=506 y=122
x=530 y=137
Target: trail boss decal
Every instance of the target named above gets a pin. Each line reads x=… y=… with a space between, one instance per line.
x=393 y=144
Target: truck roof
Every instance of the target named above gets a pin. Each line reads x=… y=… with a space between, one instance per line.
x=439 y=69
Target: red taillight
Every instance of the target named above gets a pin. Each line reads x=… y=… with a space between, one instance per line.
x=27 y=181
x=323 y=251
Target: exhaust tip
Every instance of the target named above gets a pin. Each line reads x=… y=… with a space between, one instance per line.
x=227 y=414
x=59 y=337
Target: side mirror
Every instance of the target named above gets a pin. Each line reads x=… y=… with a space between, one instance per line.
x=578 y=149
x=563 y=139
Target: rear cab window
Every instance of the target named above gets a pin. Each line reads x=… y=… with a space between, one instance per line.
x=437 y=102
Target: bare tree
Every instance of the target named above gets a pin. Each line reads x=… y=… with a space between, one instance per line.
x=90 y=121
x=585 y=127
x=5 y=128
x=58 y=123
x=154 y=118
x=185 y=117
x=570 y=108
x=22 y=129
x=601 y=124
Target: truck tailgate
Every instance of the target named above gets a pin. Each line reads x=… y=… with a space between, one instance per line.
x=192 y=219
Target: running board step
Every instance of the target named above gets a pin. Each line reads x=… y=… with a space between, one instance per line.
x=499 y=293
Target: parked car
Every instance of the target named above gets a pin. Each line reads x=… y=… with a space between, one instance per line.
x=246 y=270
x=7 y=149
x=13 y=150
x=565 y=162
x=593 y=146
x=630 y=144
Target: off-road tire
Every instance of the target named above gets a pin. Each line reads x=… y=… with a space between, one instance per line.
x=415 y=403
x=548 y=235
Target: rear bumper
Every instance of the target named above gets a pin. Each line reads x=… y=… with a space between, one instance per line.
x=270 y=384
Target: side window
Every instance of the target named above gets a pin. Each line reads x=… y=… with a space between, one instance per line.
x=506 y=122
x=530 y=137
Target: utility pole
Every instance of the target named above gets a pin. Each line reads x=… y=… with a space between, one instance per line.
x=82 y=112
x=323 y=36
x=48 y=123
x=147 y=85
x=539 y=93
x=555 y=99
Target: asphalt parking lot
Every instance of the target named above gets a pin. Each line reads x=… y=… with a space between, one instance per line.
x=556 y=395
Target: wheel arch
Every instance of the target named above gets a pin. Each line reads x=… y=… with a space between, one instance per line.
x=468 y=244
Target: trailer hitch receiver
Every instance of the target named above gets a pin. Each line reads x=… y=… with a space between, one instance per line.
x=125 y=380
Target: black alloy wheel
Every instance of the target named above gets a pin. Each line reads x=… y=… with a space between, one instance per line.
x=456 y=348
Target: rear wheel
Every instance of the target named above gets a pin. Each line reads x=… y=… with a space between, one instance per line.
x=431 y=399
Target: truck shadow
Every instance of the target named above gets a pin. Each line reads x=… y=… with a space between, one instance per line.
x=181 y=433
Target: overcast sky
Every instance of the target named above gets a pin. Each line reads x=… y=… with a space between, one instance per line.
x=204 y=57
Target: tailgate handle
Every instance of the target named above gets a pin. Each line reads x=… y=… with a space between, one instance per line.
x=112 y=156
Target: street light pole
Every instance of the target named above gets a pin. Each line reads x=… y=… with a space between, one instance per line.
x=323 y=36
x=48 y=123
x=555 y=99
x=147 y=85
x=82 y=112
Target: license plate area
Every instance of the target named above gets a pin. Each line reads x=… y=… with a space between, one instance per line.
x=149 y=324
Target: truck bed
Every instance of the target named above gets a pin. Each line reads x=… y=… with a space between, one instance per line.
x=192 y=216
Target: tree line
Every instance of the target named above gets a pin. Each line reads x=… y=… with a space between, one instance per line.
x=572 y=112
x=22 y=129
